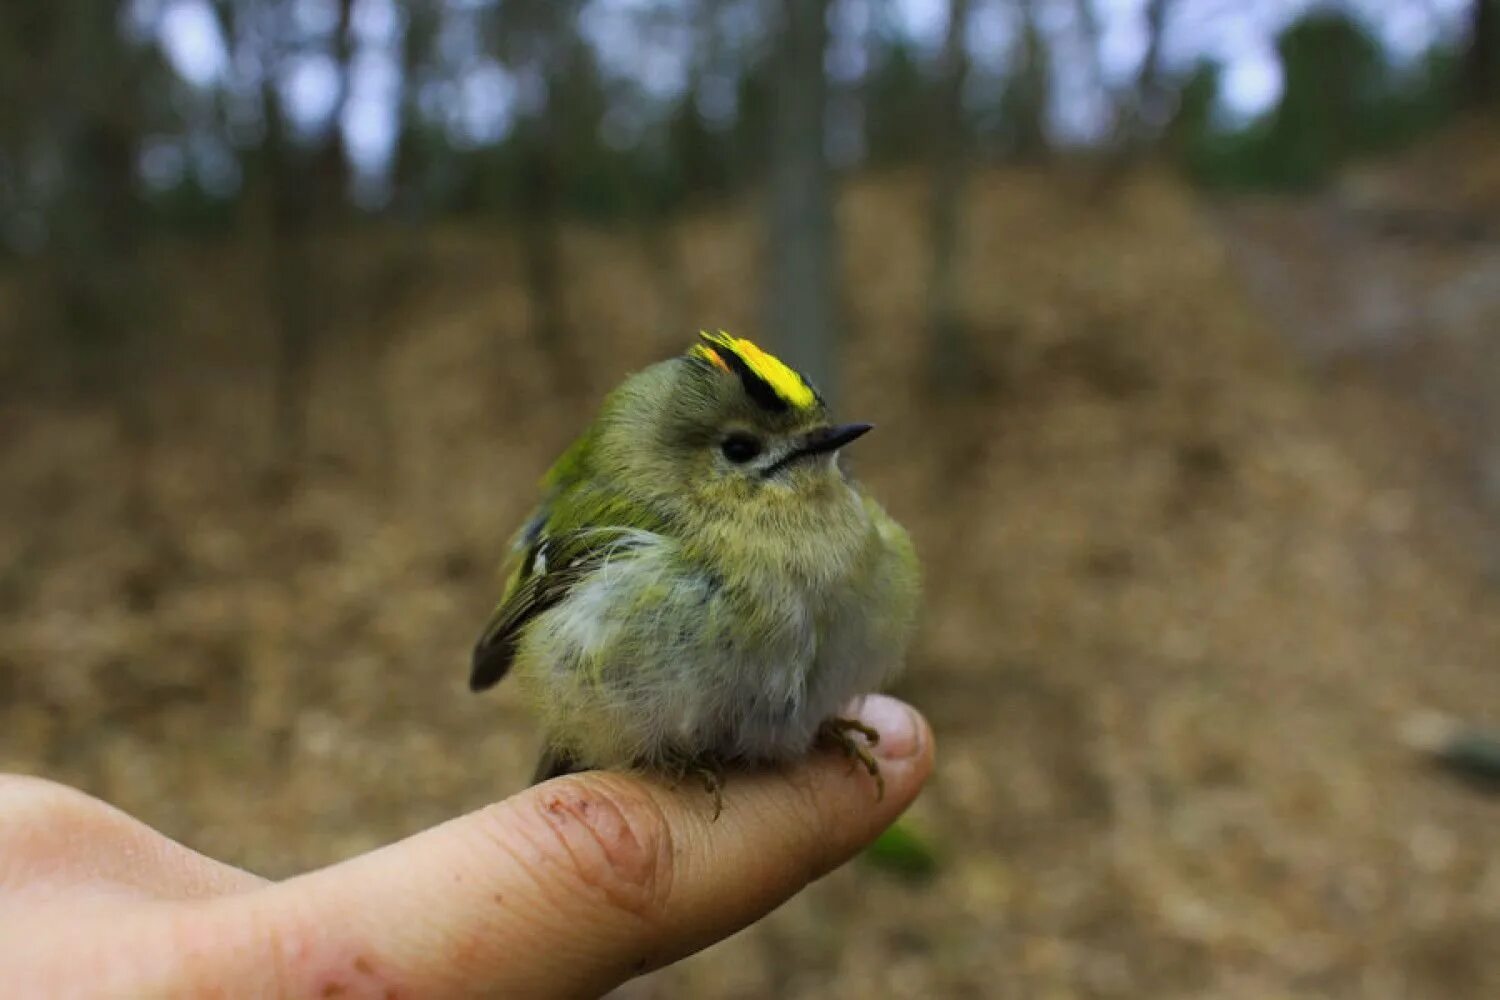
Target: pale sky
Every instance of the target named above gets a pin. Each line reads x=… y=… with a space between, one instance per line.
x=1237 y=33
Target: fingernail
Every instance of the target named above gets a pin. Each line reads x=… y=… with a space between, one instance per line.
x=899 y=726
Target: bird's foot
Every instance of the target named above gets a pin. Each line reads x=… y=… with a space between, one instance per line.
x=710 y=773
x=713 y=783
x=840 y=733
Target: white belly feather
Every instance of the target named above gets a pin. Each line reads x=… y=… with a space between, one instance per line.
x=652 y=652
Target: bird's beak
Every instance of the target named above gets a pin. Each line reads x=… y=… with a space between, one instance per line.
x=815 y=442
x=820 y=441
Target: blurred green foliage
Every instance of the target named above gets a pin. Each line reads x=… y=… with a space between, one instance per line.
x=84 y=98
x=1341 y=100
x=106 y=144
x=903 y=851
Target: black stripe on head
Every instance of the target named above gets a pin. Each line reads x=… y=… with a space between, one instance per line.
x=757 y=388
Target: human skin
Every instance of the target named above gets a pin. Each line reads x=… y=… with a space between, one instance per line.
x=566 y=889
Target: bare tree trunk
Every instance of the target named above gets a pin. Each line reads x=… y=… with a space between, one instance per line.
x=96 y=235
x=280 y=203
x=1030 y=89
x=801 y=307
x=333 y=163
x=541 y=250
x=1483 y=57
x=1142 y=110
x=1146 y=106
x=540 y=37
x=290 y=264
x=1093 y=44
x=293 y=366
x=951 y=361
x=408 y=174
x=299 y=188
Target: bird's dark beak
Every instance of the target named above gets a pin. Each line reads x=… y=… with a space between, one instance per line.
x=824 y=439
x=819 y=442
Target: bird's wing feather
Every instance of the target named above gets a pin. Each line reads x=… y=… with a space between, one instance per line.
x=548 y=566
x=572 y=532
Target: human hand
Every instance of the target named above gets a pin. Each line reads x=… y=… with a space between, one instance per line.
x=566 y=889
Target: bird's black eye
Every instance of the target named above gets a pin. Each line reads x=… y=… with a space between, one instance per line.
x=740 y=447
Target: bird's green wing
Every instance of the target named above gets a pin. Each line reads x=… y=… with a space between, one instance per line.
x=548 y=565
x=576 y=528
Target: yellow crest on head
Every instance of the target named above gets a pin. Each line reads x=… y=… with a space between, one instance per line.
x=743 y=358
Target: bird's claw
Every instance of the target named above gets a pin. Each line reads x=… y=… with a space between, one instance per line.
x=708 y=772
x=840 y=733
x=713 y=784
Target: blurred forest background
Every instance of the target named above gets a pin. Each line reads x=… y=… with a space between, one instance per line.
x=1177 y=317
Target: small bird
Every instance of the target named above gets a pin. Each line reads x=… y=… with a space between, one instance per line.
x=703 y=584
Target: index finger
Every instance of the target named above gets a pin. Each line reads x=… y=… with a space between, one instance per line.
x=580 y=883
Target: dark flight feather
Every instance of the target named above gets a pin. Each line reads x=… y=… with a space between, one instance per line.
x=550 y=566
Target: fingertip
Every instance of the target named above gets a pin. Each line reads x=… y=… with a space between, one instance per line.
x=827 y=804
x=903 y=749
x=904 y=733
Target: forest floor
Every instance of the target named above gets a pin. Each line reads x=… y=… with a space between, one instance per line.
x=1185 y=584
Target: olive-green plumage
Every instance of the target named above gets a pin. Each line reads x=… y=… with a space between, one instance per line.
x=702 y=583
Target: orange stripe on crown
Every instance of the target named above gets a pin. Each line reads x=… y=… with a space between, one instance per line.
x=711 y=356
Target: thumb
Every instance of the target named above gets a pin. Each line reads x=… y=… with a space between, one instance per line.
x=574 y=886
